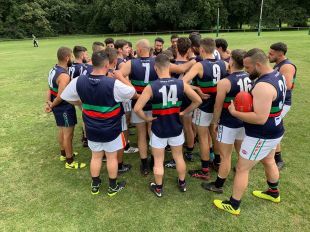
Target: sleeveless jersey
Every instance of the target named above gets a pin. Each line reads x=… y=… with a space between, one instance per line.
x=166 y=105
x=101 y=113
x=77 y=69
x=142 y=74
x=213 y=71
x=89 y=69
x=53 y=86
x=273 y=128
x=288 y=97
x=239 y=81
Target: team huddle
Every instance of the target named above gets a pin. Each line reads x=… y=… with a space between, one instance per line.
x=175 y=98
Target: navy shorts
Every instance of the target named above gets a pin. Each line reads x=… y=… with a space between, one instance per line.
x=65 y=117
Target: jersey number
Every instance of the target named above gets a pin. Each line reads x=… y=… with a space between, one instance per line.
x=50 y=78
x=71 y=72
x=147 y=72
x=216 y=73
x=171 y=96
x=245 y=84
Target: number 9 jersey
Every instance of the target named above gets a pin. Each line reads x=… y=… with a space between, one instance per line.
x=273 y=128
x=166 y=105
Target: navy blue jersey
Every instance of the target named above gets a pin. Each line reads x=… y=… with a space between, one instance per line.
x=239 y=81
x=142 y=74
x=213 y=71
x=288 y=97
x=77 y=69
x=273 y=128
x=54 y=73
x=89 y=69
x=119 y=61
x=101 y=113
x=166 y=105
x=186 y=101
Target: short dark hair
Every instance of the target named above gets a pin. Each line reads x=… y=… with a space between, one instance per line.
x=111 y=53
x=77 y=50
x=162 y=61
x=237 y=56
x=96 y=45
x=183 y=45
x=195 y=39
x=109 y=41
x=129 y=44
x=120 y=43
x=168 y=53
x=256 y=55
x=174 y=36
x=281 y=47
x=195 y=33
x=221 y=43
x=63 y=53
x=208 y=44
x=158 y=39
x=99 y=58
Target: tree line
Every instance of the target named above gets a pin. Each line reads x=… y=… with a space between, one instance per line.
x=21 y=18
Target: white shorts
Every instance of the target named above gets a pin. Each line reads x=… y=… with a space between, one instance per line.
x=127 y=106
x=257 y=149
x=115 y=145
x=285 y=110
x=201 y=118
x=157 y=142
x=136 y=119
x=124 y=123
x=229 y=135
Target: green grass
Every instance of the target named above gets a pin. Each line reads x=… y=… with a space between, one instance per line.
x=38 y=194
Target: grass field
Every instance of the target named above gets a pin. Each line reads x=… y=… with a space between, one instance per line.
x=38 y=194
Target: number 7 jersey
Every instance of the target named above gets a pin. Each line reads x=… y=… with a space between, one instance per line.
x=166 y=105
x=142 y=74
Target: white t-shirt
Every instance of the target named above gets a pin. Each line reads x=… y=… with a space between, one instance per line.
x=121 y=91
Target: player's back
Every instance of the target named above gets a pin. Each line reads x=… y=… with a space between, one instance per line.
x=76 y=70
x=166 y=105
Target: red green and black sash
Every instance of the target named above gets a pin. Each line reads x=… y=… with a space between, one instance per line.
x=227 y=102
x=102 y=112
x=206 y=86
x=139 y=85
x=275 y=112
x=159 y=109
x=54 y=91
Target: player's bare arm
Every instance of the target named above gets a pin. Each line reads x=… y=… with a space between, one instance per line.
x=62 y=81
x=181 y=68
x=193 y=96
x=288 y=72
x=143 y=99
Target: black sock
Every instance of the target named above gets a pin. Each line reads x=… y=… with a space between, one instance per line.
x=217 y=159
x=63 y=153
x=144 y=163
x=96 y=180
x=278 y=157
x=112 y=183
x=69 y=160
x=205 y=165
x=219 y=182
x=273 y=189
x=181 y=182
x=127 y=146
x=234 y=203
x=189 y=150
x=120 y=165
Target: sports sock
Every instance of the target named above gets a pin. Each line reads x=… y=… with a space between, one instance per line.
x=63 y=153
x=127 y=146
x=181 y=182
x=189 y=150
x=144 y=163
x=96 y=180
x=278 y=157
x=273 y=189
x=120 y=165
x=234 y=203
x=205 y=165
x=159 y=186
x=112 y=183
x=217 y=159
x=70 y=160
x=219 y=182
